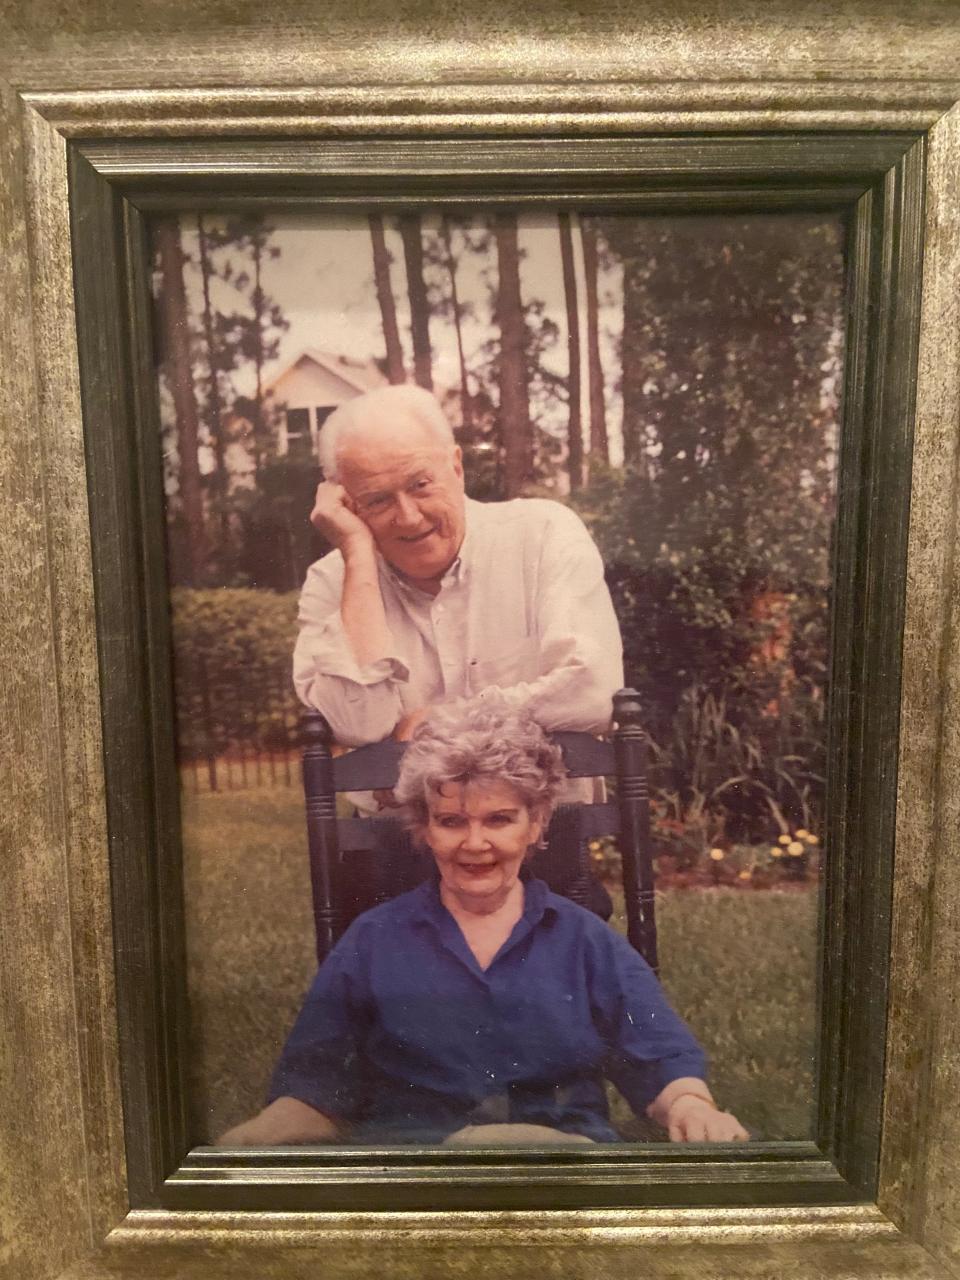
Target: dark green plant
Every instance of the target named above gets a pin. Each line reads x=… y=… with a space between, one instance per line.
x=232 y=670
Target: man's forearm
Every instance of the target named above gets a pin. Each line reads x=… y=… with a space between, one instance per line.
x=361 y=608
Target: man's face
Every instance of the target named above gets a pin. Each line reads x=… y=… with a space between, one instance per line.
x=407 y=487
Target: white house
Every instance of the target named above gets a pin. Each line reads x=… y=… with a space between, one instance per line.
x=306 y=392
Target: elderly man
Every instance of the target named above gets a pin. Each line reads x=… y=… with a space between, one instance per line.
x=430 y=595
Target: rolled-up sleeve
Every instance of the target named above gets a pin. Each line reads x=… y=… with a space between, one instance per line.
x=320 y=1063
x=361 y=703
x=650 y=1044
x=580 y=653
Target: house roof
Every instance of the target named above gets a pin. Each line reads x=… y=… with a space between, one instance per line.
x=359 y=375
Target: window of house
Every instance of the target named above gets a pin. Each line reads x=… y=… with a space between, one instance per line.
x=299 y=444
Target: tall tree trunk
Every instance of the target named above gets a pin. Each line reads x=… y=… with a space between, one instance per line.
x=599 y=443
x=214 y=403
x=515 y=427
x=633 y=374
x=179 y=374
x=256 y=244
x=388 y=309
x=466 y=411
x=419 y=306
x=574 y=425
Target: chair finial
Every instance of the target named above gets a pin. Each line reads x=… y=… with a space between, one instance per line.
x=315 y=730
x=627 y=709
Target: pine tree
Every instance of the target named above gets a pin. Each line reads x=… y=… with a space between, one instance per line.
x=411 y=233
x=515 y=426
x=178 y=372
x=396 y=373
x=574 y=425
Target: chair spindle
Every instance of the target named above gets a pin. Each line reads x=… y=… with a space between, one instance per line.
x=316 y=738
x=630 y=747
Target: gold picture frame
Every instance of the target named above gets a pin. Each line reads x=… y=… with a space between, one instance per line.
x=64 y=1190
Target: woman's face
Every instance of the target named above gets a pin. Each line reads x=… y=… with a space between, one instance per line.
x=479 y=834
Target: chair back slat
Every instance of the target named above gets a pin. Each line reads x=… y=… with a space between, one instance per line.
x=376 y=766
x=585 y=756
x=371 y=768
x=365 y=833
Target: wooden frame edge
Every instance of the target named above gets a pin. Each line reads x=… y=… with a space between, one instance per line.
x=69 y=558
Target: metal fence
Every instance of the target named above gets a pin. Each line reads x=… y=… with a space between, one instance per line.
x=236 y=732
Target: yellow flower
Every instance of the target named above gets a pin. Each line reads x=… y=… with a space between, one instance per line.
x=594 y=846
x=717 y=855
x=801 y=834
x=744 y=875
x=776 y=852
x=810 y=839
x=795 y=848
x=784 y=839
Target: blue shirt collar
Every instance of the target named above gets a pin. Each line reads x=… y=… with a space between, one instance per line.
x=428 y=906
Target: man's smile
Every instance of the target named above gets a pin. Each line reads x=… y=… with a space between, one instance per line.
x=418 y=537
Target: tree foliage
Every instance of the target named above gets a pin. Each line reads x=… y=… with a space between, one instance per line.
x=223 y=338
x=716 y=534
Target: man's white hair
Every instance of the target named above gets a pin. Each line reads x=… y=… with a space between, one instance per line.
x=404 y=403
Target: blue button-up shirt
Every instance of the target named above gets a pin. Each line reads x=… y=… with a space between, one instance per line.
x=405 y=1038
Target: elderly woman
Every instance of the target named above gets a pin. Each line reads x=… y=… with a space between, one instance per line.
x=481 y=1007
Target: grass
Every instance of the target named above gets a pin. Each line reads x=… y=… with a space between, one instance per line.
x=739 y=966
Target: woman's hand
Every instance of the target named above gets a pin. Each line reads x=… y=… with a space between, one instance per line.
x=285 y=1122
x=688 y=1112
x=691 y=1118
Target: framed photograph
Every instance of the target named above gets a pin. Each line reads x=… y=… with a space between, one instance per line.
x=799 y=326
x=266 y=326
x=724 y=355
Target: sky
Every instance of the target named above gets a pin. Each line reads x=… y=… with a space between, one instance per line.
x=323 y=282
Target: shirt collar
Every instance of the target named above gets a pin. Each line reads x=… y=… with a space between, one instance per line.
x=472 y=519
x=536 y=900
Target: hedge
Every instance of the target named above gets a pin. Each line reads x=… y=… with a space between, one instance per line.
x=232 y=669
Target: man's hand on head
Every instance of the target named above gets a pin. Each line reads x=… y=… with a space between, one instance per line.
x=361 y=604
x=334 y=517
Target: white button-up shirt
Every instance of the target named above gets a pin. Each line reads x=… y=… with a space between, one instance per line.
x=524 y=608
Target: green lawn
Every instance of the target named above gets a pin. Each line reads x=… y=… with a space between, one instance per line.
x=739 y=966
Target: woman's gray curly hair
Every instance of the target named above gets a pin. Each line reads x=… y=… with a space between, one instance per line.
x=479 y=740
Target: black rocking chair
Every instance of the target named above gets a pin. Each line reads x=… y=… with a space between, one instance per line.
x=356 y=863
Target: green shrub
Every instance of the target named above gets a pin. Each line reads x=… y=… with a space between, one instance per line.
x=723 y=608
x=232 y=669
x=714 y=780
